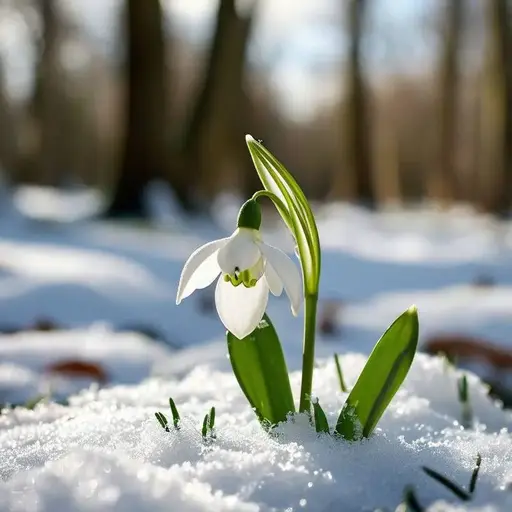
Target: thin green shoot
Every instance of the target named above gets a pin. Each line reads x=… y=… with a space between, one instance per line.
x=411 y=501
x=446 y=482
x=463 y=394
x=211 y=423
x=204 y=430
x=321 y=423
x=162 y=420
x=474 y=475
x=343 y=386
x=175 y=414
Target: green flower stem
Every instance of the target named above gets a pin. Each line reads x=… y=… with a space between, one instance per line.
x=279 y=204
x=310 y=307
x=308 y=352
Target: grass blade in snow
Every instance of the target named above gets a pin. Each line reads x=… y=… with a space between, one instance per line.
x=175 y=414
x=321 y=423
x=260 y=368
x=381 y=377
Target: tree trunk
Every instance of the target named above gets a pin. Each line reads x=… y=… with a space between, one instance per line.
x=9 y=143
x=443 y=178
x=214 y=141
x=496 y=176
x=355 y=180
x=39 y=161
x=144 y=154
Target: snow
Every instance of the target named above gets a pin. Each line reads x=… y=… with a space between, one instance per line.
x=110 y=288
x=106 y=452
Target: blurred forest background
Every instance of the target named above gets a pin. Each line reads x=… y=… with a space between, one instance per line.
x=394 y=111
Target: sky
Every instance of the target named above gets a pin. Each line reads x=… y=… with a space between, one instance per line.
x=300 y=44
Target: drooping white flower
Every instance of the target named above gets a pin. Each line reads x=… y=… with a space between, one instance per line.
x=249 y=269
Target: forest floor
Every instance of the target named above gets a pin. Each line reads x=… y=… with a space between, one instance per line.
x=109 y=291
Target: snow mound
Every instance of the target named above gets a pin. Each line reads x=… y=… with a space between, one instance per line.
x=106 y=452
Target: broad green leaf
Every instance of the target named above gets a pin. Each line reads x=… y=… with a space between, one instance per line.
x=276 y=179
x=260 y=368
x=321 y=423
x=381 y=377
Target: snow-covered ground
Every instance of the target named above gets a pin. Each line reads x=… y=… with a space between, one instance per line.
x=105 y=451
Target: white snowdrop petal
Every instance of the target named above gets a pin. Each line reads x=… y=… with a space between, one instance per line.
x=239 y=252
x=273 y=280
x=287 y=272
x=200 y=270
x=241 y=309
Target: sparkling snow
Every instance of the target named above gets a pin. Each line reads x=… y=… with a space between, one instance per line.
x=106 y=452
x=101 y=282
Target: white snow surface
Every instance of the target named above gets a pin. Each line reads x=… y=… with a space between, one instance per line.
x=107 y=452
x=101 y=281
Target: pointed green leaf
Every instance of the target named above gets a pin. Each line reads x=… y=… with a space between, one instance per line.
x=462 y=385
x=411 y=500
x=474 y=475
x=204 y=429
x=211 y=423
x=299 y=217
x=162 y=420
x=260 y=368
x=451 y=486
x=381 y=377
x=341 y=380
x=175 y=414
x=321 y=423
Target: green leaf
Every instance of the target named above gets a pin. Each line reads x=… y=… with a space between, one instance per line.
x=175 y=414
x=31 y=403
x=321 y=424
x=162 y=420
x=381 y=377
x=204 y=430
x=341 y=380
x=260 y=368
x=474 y=475
x=411 y=501
x=299 y=217
x=211 y=423
x=462 y=385
x=451 y=486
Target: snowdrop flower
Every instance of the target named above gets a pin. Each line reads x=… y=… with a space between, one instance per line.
x=249 y=269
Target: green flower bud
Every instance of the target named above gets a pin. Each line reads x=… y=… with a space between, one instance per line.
x=249 y=215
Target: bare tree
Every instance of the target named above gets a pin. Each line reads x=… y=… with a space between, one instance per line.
x=354 y=179
x=9 y=143
x=144 y=154
x=496 y=179
x=442 y=184
x=42 y=136
x=214 y=146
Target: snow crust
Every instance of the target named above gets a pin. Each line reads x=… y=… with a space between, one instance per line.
x=107 y=452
